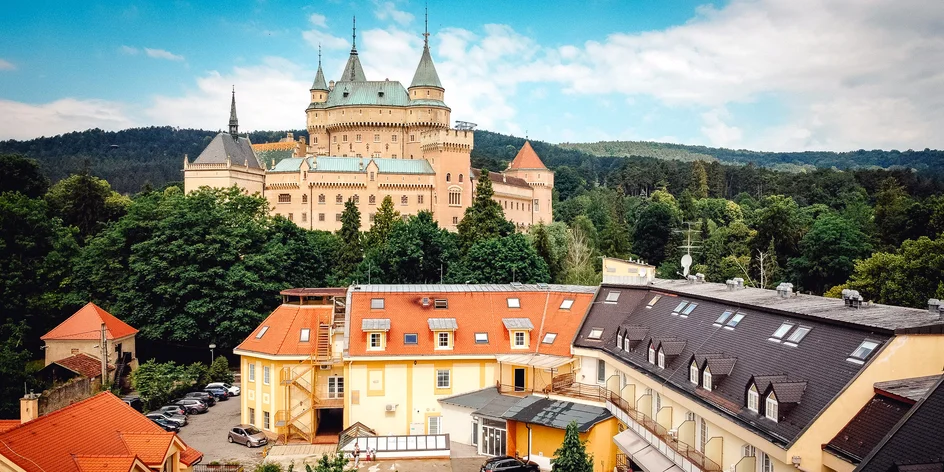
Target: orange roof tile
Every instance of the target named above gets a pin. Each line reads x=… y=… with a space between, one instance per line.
x=191 y=456
x=84 y=364
x=527 y=158
x=87 y=324
x=99 y=425
x=282 y=337
x=151 y=447
x=6 y=425
x=475 y=311
x=105 y=463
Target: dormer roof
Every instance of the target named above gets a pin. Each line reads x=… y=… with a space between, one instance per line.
x=527 y=159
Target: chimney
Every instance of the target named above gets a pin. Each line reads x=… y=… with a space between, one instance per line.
x=738 y=283
x=852 y=298
x=29 y=407
x=700 y=277
x=730 y=284
x=691 y=279
x=785 y=290
x=934 y=306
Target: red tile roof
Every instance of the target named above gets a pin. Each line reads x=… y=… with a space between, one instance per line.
x=151 y=447
x=104 y=463
x=475 y=311
x=6 y=425
x=100 y=425
x=284 y=329
x=84 y=364
x=527 y=158
x=87 y=324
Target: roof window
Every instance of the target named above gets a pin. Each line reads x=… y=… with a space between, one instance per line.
x=780 y=333
x=410 y=338
x=514 y=303
x=612 y=296
x=262 y=332
x=724 y=317
x=733 y=322
x=653 y=301
x=689 y=309
x=305 y=335
x=862 y=352
x=481 y=338
x=376 y=303
x=797 y=336
x=595 y=333
x=566 y=304
x=441 y=303
x=679 y=307
x=549 y=338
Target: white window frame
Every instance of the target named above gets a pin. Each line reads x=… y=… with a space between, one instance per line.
x=266 y=377
x=771 y=407
x=706 y=379
x=753 y=399
x=304 y=335
x=437 y=420
x=797 y=335
x=549 y=338
x=514 y=303
x=595 y=333
x=252 y=372
x=481 y=338
x=612 y=296
x=693 y=373
x=262 y=332
x=371 y=337
x=781 y=331
x=520 y=339
x=867 y=347
x=619 y=340
x=377 y=303
x=266 y=423
x=443 y=336
x=660 y=356
x=626 y=343
x=443 y=378
x=601 y=371
x=766 y=465
x=652 y=354
x=566 y=304
x=336 y=387
x=252 y=416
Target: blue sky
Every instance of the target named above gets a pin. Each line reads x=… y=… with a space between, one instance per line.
x=758 y=74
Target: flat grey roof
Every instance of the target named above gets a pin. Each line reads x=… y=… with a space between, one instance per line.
x=497 y=407
x=475 y=399
x=556 y=413
x=375 y=324
x=436 y=324
x=518 y=323
x=459 y=288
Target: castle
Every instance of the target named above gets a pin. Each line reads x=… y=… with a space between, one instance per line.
x=369 y=139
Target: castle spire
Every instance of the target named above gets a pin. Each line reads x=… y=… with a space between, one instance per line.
x=353 y=70
x=426 y=75
x=233 y=121
x=319 y=83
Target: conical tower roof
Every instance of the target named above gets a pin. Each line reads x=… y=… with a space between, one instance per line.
x=426 y=75
x=527 y=159
x=353 y=70
x=233 y=121
x=319 y=83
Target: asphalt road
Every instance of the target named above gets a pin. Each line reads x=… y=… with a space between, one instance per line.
x=207 y=434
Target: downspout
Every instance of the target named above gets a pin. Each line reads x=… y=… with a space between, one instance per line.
x=528 y=425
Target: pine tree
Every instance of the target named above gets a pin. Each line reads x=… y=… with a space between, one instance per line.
x=699 y=183
x=485 y=219
x=383 y=224
x=572 y=455
x=351 y=251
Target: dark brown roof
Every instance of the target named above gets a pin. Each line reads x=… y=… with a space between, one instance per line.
x=722 y=365
x=673 y=347
x=636 y=333
x=819 y=360
x=499 y=178
x=83 y=364
x=912 y=390
x=867 y=428
x=789 y=392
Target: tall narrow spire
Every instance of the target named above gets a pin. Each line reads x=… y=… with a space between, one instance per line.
x=426 y=75
x=354 y=37
x=353 y=70
x=426 y=27
x=319 y=83
x=233 y=122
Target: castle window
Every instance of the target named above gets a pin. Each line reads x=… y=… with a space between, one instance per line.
x=394 y=156
x=304 y=198
x=304 y=217
x=455 y=198
x=337 y=217
x=339 y=199
x=448 y=177
x=291 y=217
x=357 y=198
x=460 y=178
x=419 y=199
x=285 y=198
x=321 y=198
x=404 y=200
x=334 y=138
x=537 y=207
x=455 y=220
x=393 y=138
x=357 y=137
x=344 y=138
x=376 y=138
x=412 y=137
x=321 y=217
x=372 y=199
x=427 y=93
x=371 y=176
x=372 y=217
x=314 y=140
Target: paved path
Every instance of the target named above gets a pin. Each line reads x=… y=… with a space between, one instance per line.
x=207 y=433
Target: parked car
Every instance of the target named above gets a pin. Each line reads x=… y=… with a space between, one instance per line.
x=167 y=425
x=247 y=435
x=205 y=397
x=134 y=401
x=231 y=389
x=179 y=420
x=173 y=409
x=508 y=464
x=220 y=393
x=192 y=405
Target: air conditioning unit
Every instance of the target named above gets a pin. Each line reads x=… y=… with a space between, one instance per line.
x=391 y=407
x=325 y=367
x=425 y=301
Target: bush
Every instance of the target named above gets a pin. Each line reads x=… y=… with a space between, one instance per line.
x=219 y=371
x=268 y=467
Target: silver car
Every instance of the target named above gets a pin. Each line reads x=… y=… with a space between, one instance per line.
x=179 y=420
x=247 y=435
x=231 y=389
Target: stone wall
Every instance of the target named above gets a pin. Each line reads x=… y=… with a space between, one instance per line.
x=68 y=393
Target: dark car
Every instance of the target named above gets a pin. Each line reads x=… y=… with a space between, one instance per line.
x=205 y=397
x=508 y=464
x=173 y=409
x=134 y=401
x=192 y=405
x=179 y=420
x=247 y=435
x=167 y=425
x=220 y=393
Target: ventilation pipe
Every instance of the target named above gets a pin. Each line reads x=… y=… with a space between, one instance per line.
x=785 y=290
x=852 y=298
x=934 y=306
x=700 y=277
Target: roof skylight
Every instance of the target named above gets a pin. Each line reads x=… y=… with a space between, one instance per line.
x=653 y=301
x=862 y=352
x=549 y=338
x=566 y=304
x=680 y=306
x=724 y=317
x=262 y=332
x=688 y=310
x=514 y=303
x=305 y=335
x=612 y=296
x=797 y=335
x=595 y=333
x=481 y=338
x=781 y=332
x=734 y=320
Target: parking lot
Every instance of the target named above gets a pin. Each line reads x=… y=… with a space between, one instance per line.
x=207 y=434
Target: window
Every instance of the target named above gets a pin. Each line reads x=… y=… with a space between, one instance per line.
x=265 y=419
x=619 y=340
x=321 y=216
x=626 y=344
x=703 y=429
x=435 y=424
x=693 y=373
x=734 y=320
x=285 y=198
x=549 y=338
x=262 y=332
x=304 y=198
x=721 y=319
x=357 y=138
x=304 y=217
x=753 y=398
x=372 y=199
x=442 y=378
x=455 y=220
x=519 y=339
x=412 y=137
x=475 y=432
x=601 y=371
x=393 y=138
x=419 y=199
x=455 y=198
x=680 y=306
x=252 y=372
x=566 y=304
x=460 y=178
x=770 y=408
x=706 y=379
x=334 y=138
x=781 y=331
x=612 y=296
x=652 y=302
x=410 y=338
x=661 y=359
x=335 y=387
x=377 y=136
x=376 y=341
x=339 y=199
x=481 y=338
x=321 y=198
x=797 y=336
x=265 y=375
x=441 y=303
x=537 y=204
x=305 y=335
x=252 y=416
x=356 y=198
x=371 y=177
x=404 y=200
x=652 y=354
x=376 y=303
x=514 y=303
x=443 y=340
x=595 y=333
x=689 y=309
x=337 y=217
x=862 y=352
x=344 y=137
x=765 y=464
x=291 y=217
x=748 y=451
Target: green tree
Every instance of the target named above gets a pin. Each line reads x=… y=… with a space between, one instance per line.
x=779 y=219
x=158 y=382
x=653 y=232
x=568 y=182
x=219 y=370
x=572 y=455
x=908 y=276
x=306 y=257
x=268 y=467
x=578 y=264
x=699 y=182
x=484 y=219
x=828 y=253
x=333 y=463
x=894 y=212
x=351 y=252
x=384 y=220
x=22 y=175
x=416 y=251
x=501 y=261
x=14 y=368
x=86 y=202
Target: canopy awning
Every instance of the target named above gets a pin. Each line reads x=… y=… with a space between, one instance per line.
x=541 y=361
x=643 y=454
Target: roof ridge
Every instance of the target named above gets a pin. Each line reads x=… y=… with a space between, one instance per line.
x=59 y=412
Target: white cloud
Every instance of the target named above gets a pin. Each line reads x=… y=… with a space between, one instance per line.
x=128 y=50
x=319 y=20
x=6 y=65
x=25 y=121
x=388 y=10
x=718 y=132
x=319 y=36
x=163 y=54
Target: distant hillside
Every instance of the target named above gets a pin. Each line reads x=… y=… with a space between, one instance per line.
x=926 y=160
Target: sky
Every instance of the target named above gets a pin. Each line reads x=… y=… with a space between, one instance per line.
x=778 y=75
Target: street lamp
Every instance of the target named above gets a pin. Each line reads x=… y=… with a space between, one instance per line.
x=212 y=347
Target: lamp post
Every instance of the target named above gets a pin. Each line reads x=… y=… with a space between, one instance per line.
x=212 y=347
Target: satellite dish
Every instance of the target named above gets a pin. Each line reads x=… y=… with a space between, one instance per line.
x=686 y=263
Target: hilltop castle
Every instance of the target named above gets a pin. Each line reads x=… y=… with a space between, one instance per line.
x=369 y=139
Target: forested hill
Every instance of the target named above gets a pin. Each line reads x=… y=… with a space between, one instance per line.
x=926 y=160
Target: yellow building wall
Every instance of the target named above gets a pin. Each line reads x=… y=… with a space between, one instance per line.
x=60 y=349
x=535 y=379
x=546 y=440
x=250 y=180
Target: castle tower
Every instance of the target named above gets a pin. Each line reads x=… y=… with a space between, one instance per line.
x=318 y=134
x=528 y=166
x=427 y=110
x=233 y=121
x=448 y=152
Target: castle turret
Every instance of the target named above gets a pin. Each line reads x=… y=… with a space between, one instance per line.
x=353 y=70
x=233 y=121
x=319 y=88
x=426 y=84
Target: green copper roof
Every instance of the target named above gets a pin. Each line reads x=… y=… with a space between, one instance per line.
x=426 y=75
x=277 y=155
x=425 y=102
x=319 y=83
x=403 y=166
x=386 y=92
x=289 y=164
x=355 y=165
x=353 y=70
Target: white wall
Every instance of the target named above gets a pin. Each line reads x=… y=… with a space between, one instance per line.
x=457 y=423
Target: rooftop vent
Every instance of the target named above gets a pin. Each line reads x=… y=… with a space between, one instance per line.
x=738 y=283
x=852 y=298
x=934 y=306
x=542 y=285
x=785 y=290
x=425 y=301
x=730 y=284
x=700 y=277
x=691 y=279
x=516 y=284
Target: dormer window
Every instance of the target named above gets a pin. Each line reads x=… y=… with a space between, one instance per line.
x=376 y=341
x=619 y=340
x=626 y=343
x=652 y=302
x=262 y=332
x=706 y=379
x=693 y=373
x=521 y=339
x=566 y=304
x=771 y=407
x=862 y=352
x=661 y=358
x=753 y=398
x=444 y=340
x=652 y=354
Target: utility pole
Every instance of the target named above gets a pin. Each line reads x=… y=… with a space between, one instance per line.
x=104 y=347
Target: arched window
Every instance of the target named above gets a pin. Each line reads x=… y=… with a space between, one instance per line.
x=372 y=200
x=404 y=200
x=652 y=354
x=357 y=198
x=321 y=198
x=706 y=379
x=455 y=198
x=304 y=198
x=448 y=177
x=753 y=399
x=339 y=199
x=771 y=407
x=693 y=373
x=661 y=358
x=460 y=178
